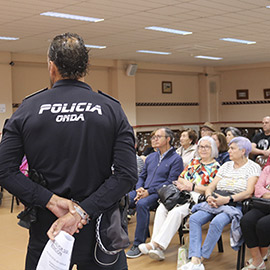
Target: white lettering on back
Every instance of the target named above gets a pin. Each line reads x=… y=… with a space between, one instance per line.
x=96 y=108
x=44 y=107
x=60 y=109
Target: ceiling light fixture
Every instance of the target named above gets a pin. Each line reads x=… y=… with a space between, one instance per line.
x=71 y=17
x=208 y=57
x=95 y=46
x=9 y=38
x=238 y=40
x=153 y=52
x=168 y=30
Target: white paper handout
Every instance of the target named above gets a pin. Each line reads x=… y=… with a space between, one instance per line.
x=57 y=254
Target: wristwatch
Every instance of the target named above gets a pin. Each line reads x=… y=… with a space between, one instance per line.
x=231 y=199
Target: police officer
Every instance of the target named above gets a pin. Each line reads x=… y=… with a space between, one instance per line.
x=71 y=136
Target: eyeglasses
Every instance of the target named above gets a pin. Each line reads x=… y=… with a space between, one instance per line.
x=157 y=137
x=206 y=129
x=206 y=147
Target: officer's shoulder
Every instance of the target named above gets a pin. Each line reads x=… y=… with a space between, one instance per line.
x=108 y=96
x=36 y=93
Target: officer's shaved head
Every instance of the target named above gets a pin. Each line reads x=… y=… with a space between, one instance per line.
x=70 y=55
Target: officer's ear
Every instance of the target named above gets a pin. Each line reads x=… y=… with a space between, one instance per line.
x=52 y=67
x=53 y=70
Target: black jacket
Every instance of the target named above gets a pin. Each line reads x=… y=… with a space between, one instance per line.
x=72 y=136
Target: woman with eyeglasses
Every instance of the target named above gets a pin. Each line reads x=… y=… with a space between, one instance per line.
x=194 y=178
x=233 y=183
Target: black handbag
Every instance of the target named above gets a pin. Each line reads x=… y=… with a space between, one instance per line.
x=170 y=196
x=225 y=193
x=261 y=204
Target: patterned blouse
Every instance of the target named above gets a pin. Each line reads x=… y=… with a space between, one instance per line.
x=199 y=173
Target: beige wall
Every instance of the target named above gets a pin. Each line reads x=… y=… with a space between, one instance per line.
x=5 y=87
x=207 y=86
x=149 y=89
x=253 y=78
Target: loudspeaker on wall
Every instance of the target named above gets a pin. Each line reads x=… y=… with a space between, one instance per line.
x=131 y=69
x=213 y=87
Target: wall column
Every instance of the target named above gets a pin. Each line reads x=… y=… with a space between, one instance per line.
x=124 y=89
x=209 y=89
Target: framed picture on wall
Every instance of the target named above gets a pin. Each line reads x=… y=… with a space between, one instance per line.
x=166 y=87
x=242 y=94
x=266 y=93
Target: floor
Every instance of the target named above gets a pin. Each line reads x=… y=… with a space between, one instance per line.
x=13 y=246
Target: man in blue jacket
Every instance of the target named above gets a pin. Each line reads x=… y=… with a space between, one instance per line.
x=161 y=168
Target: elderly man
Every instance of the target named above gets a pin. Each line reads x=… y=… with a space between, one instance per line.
x=161 y=168
x=207 y=129
x=64 y=133
x=261 y=140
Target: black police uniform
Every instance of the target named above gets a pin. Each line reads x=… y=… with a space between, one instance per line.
x=72 y=135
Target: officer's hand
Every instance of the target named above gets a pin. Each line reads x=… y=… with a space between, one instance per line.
x=69 y=223
x=60 y=206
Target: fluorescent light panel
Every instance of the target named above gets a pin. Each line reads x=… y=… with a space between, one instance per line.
x=95 y=46
x=9 y=38
x=238 y=40
x=208 y=57
x=71 y=17
x=153 y=52
x=168 y=30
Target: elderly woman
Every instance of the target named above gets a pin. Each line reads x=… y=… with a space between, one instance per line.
x=255 y=225
x=233 y=183
x=232 y=132
x=188 y=147
x=195 y=178
x=223 y=155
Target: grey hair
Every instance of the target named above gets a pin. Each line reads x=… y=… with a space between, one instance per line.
x=168 y=134
x=235 y=131
x=214 y=152
x=242 y=143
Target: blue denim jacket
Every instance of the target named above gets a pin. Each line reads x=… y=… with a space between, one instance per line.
x=235 y=214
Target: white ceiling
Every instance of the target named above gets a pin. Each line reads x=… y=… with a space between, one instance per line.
x=122 y=30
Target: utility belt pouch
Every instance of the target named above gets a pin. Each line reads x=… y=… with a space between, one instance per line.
x=29 y=214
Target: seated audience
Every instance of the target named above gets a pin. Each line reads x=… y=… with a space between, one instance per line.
x=222 y=146
x=140 y=161
x=234 y=182
x=207 y=129
x=188 y=147
x=267 y=162
x=195 y=177
x=261 y=140
x=161 y=168
x=150 y=149
x=255 y=225
x=232 y=132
